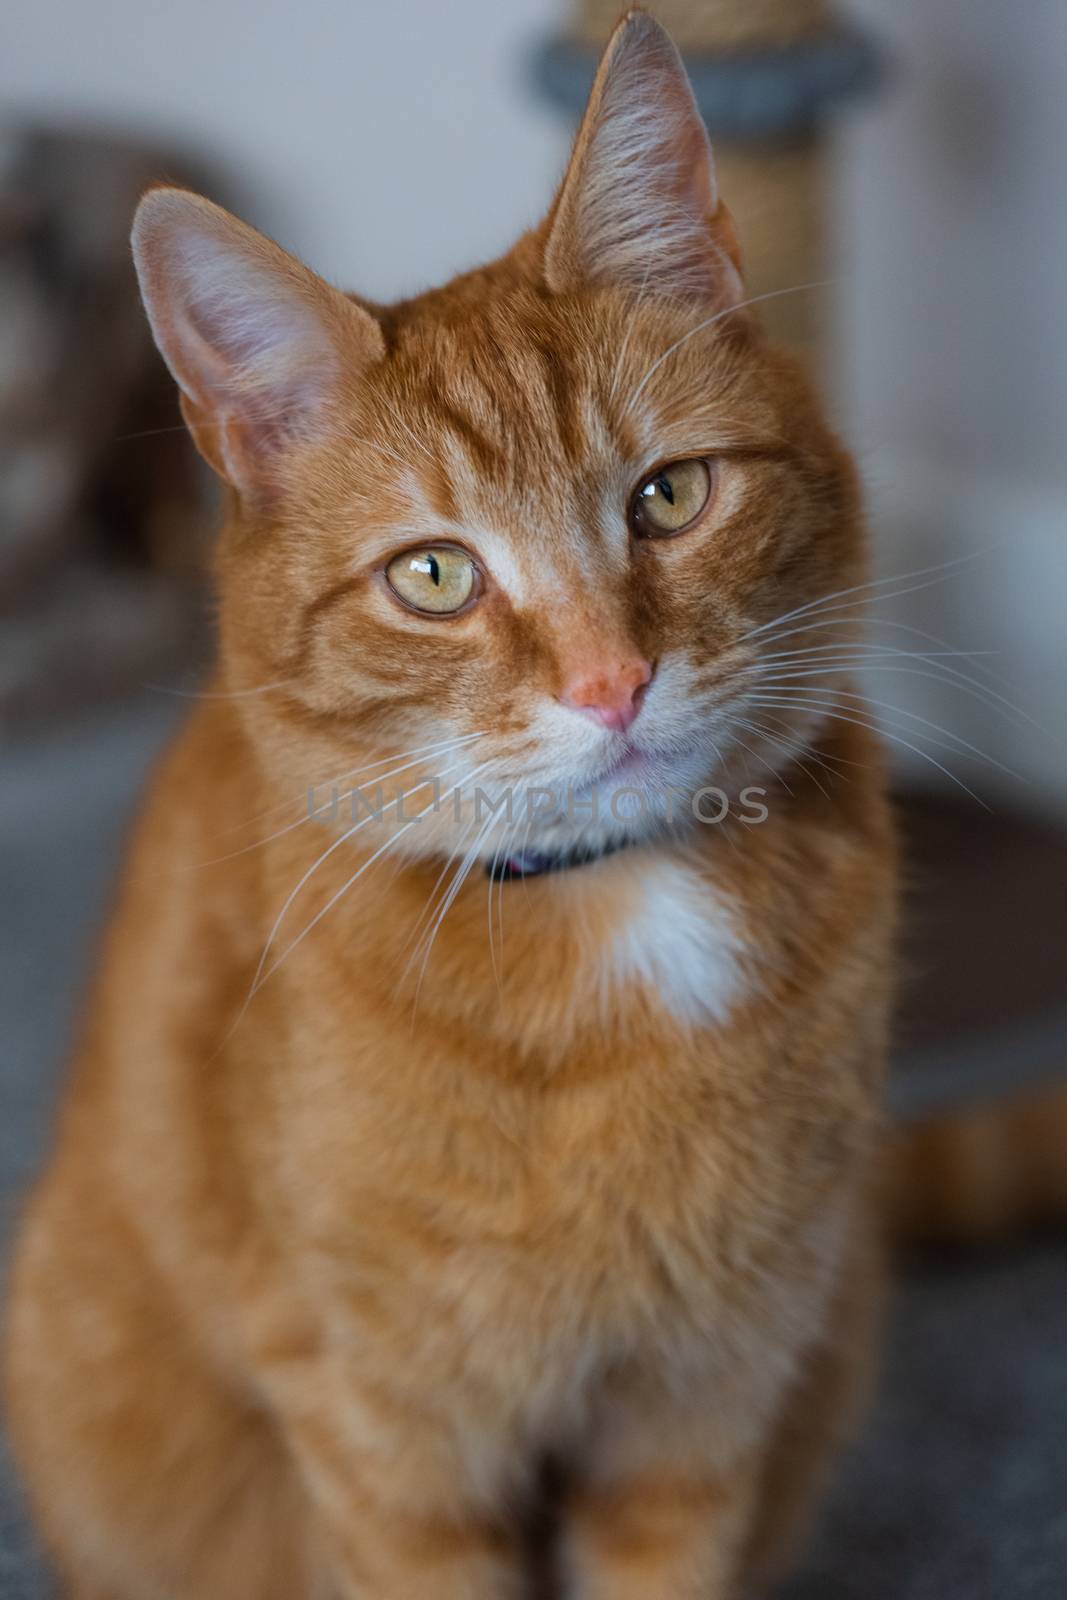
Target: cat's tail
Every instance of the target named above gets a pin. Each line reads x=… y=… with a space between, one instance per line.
x=983 y=1172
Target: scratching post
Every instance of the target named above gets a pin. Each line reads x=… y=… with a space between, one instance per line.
x=701 y=25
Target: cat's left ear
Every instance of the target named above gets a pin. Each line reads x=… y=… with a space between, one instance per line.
x=639 y=207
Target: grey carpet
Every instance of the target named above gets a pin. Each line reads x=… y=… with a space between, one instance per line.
x=957 y=1485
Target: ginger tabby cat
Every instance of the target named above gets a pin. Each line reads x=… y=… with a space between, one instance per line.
x=391 y=1178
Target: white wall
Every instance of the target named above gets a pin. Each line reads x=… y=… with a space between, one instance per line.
x=952 y=356
x=389 y=141
x=954 y=198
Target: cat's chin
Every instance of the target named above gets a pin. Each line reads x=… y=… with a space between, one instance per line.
x=644 y=795
x=633 y=765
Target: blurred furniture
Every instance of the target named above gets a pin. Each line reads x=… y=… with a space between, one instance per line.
x=102 y=510
x=983 y=1009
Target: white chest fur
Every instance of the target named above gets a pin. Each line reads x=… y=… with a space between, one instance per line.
x=681 y=940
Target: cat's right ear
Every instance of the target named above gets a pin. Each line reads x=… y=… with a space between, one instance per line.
x=259 y=345
x=639 y=206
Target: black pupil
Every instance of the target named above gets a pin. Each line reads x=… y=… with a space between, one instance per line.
x=663 y=484
x=434 y=570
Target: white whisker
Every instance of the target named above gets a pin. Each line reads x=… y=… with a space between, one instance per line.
x=384 y=777
x=870 y=622
x=620 y=360
x=992 y=697
x=336 y=845
x=936 y=574
x=458 y=881
x=948 y=679
x=218 y=694
x=960 y=746
x=756 y=299
x=428 y=908
x=389 y=844
x=874 y=727
x=440 y=747
x=489 y=910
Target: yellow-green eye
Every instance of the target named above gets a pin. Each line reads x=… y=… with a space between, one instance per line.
x=671 y=498
x=438 y=579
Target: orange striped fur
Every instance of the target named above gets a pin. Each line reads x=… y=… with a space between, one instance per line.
x=319 y=1277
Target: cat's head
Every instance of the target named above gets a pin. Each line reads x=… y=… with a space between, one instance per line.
x=533 y=527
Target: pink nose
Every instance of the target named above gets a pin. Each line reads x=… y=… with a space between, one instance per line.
x=611 y=696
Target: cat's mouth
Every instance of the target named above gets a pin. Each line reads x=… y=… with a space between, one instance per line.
x=636 y=790
x=639 y=784
x=640 y=765
x=630 y=761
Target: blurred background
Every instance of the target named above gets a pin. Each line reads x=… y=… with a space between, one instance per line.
x=901 y=158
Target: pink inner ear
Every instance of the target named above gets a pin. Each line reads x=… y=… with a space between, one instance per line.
x=250 y=341
x=256 y=342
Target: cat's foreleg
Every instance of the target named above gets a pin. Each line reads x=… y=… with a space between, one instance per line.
x=675 y=1535
x=396 y=1522
x=664 y=1507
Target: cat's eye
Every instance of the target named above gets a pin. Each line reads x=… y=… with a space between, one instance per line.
x=670 y=499
x=438 y=579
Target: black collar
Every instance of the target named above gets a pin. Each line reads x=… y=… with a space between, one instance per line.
x=535 y=863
